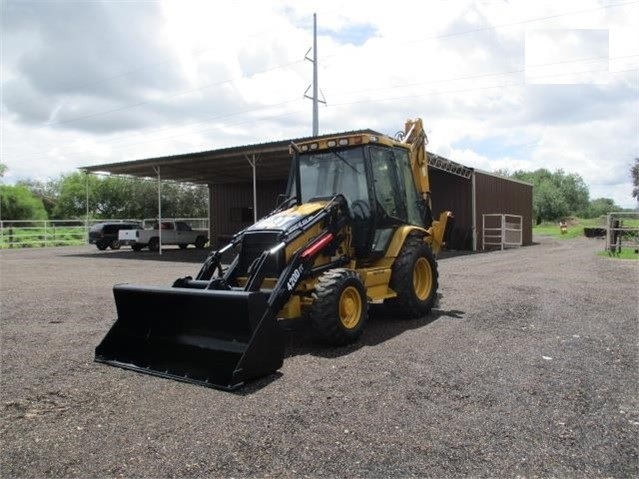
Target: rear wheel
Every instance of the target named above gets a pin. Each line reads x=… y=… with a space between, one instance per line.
x=340 y=308
x=200 y=241
x=115 y=244
x=154 y=244
x=414 y=278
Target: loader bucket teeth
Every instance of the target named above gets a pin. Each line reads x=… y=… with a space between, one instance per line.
x=218 y=339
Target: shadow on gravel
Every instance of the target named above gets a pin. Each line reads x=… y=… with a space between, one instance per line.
x=454 y=253
x=175 y=255
x=382 y=326
x=256 y=385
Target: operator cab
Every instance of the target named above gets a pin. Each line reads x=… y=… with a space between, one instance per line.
x=376 y=180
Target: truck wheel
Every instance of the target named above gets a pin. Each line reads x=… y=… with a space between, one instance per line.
x=154 y=244
x=414 y=278
x=200 y=241
x=136 y=247
x=115 y=244
x=340 y=308
x=101 y=246
x=183 y=245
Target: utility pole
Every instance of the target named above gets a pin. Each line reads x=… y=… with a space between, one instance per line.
x=315 y=86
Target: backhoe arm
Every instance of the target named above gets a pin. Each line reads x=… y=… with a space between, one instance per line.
x=415 y=136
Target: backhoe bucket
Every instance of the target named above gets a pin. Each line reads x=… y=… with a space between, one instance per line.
x=217 y=339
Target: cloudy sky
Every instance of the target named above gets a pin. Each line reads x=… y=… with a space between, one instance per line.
x=500 y=84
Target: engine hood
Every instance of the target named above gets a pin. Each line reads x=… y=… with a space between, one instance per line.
x=289 y=219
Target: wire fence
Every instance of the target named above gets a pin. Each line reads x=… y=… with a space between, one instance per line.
x=42 y=234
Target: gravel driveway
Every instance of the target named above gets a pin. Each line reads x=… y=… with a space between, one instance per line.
x=528 y=367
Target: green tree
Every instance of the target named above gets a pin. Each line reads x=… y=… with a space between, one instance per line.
x=599 y=207
x=3 y=169
x=18 y=203
x=549 y=203
x=574 y=190
x=47 y=191
x=555 y=195
x=126 y=198
x=503 y=172
x=72 y=198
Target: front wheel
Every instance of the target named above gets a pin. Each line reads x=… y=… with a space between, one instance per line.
x=340 y=308
x=101 y=246
x=414 y=278
x=200 y=241
x=115 y=244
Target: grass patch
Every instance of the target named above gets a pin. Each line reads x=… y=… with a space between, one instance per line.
x=626 y=253
x=575 y=228
x=36 y=237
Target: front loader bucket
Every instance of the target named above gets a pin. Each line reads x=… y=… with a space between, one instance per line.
x=213 y=338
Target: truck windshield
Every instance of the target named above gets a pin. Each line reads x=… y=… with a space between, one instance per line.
x=327 y=173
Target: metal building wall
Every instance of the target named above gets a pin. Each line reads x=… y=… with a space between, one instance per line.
x=453 y=193
x=449 y=192
x=224 y=197
x=494 y=194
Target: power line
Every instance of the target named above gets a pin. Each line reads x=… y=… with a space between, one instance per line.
x=211 y=120
x=208 y=120
x=185 y=92
x=354 y=102
x=475 y=88
x=394 y=98
x=146 y=66
x=166 y=97
x=496 y=27
x=395 y=87
x=481 y=75
x=472 y=77
x=228 y=125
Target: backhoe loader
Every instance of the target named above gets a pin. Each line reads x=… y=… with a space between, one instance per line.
x=356 y=227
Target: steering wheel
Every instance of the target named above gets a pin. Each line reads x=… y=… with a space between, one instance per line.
x=361 y=209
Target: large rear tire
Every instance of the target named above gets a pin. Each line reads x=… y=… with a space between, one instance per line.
x=101 y=245
x=340 y=307
x=115 y=244
x=414 y=278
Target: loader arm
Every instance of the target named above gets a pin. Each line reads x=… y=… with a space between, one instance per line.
x=207 y=332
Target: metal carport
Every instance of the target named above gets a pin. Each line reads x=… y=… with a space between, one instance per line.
x=255 y=174
x=239 y=166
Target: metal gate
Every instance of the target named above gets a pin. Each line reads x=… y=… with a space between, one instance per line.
x=622 y=231
x=501 y=230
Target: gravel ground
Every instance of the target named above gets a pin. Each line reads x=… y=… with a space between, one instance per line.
x=528 y=367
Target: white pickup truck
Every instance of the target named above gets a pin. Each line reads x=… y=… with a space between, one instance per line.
x=173 y=233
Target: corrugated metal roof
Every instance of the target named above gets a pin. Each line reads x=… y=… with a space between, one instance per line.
x=225 y=165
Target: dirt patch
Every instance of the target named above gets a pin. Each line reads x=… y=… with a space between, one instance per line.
x=528 y=367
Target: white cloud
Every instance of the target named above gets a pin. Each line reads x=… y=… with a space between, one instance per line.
x=89 y=83
x=567 y=56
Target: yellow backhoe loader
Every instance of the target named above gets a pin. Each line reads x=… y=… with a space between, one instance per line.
x=356 y=227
